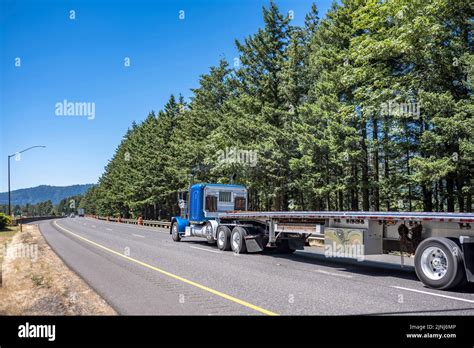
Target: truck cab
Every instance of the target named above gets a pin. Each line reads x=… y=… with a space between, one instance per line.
x=200 y=208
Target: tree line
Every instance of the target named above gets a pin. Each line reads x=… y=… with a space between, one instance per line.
x=45 y=208
x=368 y=108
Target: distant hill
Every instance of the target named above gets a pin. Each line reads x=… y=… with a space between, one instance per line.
x=42 y=193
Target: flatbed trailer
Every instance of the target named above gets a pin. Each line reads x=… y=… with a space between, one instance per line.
x=443 y=243
x=418 y=216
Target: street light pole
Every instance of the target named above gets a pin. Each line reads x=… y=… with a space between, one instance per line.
x=9 y=191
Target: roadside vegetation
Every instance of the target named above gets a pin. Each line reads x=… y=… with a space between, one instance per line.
x=5 y=221
x=45 y=208
x=34 y=280
x=7 y=232
x=370 y=108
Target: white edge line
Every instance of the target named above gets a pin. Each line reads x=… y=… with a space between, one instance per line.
x=432 y=294
x=211 y=251
x=334 y=274
x=138 y=235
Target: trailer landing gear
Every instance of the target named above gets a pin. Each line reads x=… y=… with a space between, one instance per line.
x=284 y=247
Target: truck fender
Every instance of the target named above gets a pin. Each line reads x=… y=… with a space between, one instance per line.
x=214 y=224
x=182 y=223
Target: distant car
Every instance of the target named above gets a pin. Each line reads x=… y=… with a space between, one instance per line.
x=72 y=215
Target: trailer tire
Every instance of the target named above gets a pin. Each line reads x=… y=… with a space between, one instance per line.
x=439 y=263
x=223 y=238
x=174 y=232
x=237 y=240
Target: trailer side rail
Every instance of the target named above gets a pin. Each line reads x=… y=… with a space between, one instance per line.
x=409 y=216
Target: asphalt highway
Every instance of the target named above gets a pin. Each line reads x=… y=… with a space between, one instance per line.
x=140 y=270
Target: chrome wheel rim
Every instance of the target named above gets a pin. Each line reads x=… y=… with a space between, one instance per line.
x=236 y=240
x=434 y=263
x=221 y=238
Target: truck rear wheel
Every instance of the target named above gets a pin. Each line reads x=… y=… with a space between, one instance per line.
x=223 y=238
x=175 y=232
x=237 y=240
x=438 y=263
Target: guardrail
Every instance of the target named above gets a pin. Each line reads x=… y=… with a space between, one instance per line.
x=162 y=224
x=139 y=221
x=25 y=220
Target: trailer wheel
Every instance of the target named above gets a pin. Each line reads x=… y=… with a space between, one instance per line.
x=223 y=238
x=237 y=241
x=174 y=232
x=438 y=263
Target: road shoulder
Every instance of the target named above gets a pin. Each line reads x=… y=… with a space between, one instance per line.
x=35 y=281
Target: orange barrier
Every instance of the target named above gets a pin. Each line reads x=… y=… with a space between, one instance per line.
x=138 y=221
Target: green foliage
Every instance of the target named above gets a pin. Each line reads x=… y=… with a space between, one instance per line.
x=4 y=220
x=369 y=108
x=39 y=209
x=46 y=208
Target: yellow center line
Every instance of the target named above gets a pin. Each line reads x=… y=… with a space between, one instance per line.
x=184 y=280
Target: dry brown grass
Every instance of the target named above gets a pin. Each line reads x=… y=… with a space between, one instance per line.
x=37 y=282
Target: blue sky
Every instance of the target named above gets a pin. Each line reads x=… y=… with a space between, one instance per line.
x=82 y=60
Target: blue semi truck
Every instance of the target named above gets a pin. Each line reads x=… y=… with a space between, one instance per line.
x=443 y=243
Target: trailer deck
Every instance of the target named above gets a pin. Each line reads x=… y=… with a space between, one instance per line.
x=404 y=216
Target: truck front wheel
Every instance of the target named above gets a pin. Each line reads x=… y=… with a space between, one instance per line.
x=438 y=263
x=223 y=238
x=237 y=240
x=174 y=232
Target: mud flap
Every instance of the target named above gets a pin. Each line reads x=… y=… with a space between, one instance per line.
x=254 y=243
x=467 y=245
